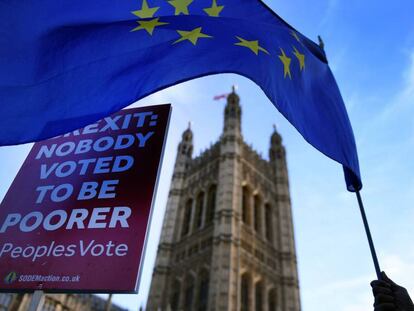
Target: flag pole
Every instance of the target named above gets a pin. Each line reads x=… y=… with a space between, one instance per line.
x=361 y=208
x=368 y=232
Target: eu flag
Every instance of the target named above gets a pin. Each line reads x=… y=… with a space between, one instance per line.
x=67 y=63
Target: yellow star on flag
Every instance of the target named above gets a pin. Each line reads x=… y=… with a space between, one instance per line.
x=192 y=35
x=295 y=35
x=252 y=45
x=181 y=6
x=300 y=57
x=286 y=64
x=214 y=10
x=149 y=26
x=145 y=11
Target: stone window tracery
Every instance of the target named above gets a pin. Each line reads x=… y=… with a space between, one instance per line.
x=271 y=300
x=203 y=291
x=175 y=297
x=269 y=223
x=258 y=296
x=187 y=217
x=245 y=290
x=257 y=213
x=198 y=221
x=246 y=205
x=189 y=294
x=211 y=203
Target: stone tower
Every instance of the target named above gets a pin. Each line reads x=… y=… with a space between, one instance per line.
x=227 y=239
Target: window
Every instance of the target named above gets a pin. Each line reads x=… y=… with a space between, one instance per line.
x=272 y=300
x=257 y=213
x=269 y=223
x=203 y=291
x=246 y=206
x=245 y=288
x=187 y=217
x=175 y=297
x=199 y=211
x=259 y=296
x=211 y=204
x=189 y=293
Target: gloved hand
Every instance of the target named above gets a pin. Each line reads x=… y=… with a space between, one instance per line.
x=390 y=296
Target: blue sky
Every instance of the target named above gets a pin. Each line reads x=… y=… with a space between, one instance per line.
x=370 y=45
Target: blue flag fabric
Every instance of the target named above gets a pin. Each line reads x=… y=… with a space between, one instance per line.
x=67 y=63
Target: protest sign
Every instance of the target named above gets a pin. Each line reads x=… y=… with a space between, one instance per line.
x=76 y=216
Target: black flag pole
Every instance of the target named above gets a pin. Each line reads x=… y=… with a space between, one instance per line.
x=361 y=208
x=368 y=232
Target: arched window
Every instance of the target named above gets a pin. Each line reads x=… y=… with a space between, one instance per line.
x=269 y=223
x=257 y=213
x=258 y=293
x=184 y=149
x=246 y=205
x=271 y=300
x=245 y=289
x=189 y=294
x=199 y=211
x=187 y=217
x=203 y=291
x=211 y=204
x=175 y=296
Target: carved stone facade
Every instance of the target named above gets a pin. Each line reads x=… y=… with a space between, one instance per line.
x=227 y=239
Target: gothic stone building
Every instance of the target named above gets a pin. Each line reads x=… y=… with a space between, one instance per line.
x=227 y=238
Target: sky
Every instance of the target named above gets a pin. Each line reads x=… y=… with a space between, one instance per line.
x=370 y=46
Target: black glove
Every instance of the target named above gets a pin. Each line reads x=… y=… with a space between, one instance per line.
x=390 y=296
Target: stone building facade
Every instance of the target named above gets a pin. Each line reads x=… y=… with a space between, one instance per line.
x=56 y=302
x=227 y=240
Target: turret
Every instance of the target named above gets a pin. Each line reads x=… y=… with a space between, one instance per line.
x=277 y=151
x=185 y=148
x=232 y=114
x=160 y=279
x=184 y=152
x=289 y=274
